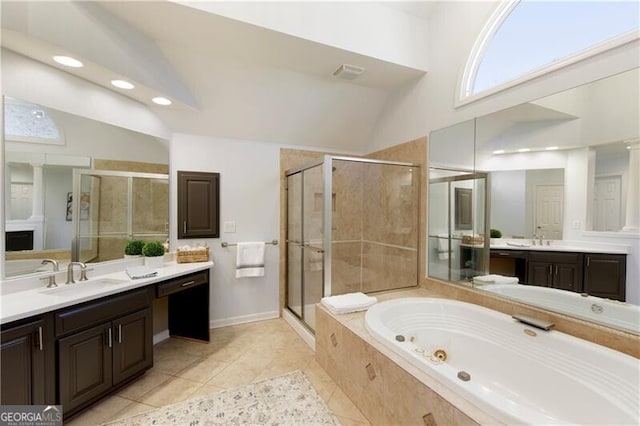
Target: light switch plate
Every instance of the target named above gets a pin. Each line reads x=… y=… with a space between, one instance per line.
x=229 y=226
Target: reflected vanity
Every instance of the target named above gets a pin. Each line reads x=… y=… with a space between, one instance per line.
x=544 y=164
x=67 y=180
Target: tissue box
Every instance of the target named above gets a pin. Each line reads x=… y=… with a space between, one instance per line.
x=190 y=256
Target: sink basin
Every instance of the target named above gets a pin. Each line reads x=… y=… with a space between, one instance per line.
x=81 y=287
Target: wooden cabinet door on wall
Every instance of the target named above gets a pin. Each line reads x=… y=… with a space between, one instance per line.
x=198 y=205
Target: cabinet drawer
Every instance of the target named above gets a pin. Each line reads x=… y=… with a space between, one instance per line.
x=518 y=254
x=555 y=257
x=184 y=282
x=94 y=312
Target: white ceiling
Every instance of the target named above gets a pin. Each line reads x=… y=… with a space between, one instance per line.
x=235 y=80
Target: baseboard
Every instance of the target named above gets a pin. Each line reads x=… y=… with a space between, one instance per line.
x=300 y=329
x=160 y=337
x=243 y=319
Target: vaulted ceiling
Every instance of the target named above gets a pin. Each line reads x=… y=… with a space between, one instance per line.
x=227 y=77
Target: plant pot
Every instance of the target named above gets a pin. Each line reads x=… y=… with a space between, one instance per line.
x=132 y=256
x=154 y=262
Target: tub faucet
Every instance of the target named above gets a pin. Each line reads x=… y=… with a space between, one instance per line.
x=83 y=272
x=534 y=322
x=52 y=277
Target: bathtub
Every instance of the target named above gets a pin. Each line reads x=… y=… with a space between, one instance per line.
x=620 y=315
x=516 y=373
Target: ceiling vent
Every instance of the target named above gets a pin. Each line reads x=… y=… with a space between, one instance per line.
x=348 y=72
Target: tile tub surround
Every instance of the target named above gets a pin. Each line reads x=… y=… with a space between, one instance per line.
x=351 y=332
x=384 y=386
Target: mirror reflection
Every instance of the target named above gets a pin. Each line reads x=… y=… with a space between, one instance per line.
x=44 y=147
x=562 y=200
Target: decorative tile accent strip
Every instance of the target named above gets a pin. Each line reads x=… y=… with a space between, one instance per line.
x=284 y=400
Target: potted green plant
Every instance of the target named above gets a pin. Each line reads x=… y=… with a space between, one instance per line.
x=495 y=234
x=153 y=252
x=133 y=248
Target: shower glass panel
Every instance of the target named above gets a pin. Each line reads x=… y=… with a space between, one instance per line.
x=294 y=243
x=457 y=216
x=313 y=254
x=357 y=223
x=112 y=207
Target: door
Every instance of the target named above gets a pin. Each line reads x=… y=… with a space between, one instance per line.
x=132 y=345
x=313 y=201
x=198 y=205
x=23 y=365
x=548 y=211
x=294 y=243
x=607 y=204
x=85 y=366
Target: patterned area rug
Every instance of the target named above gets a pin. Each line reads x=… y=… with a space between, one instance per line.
x=284 y=400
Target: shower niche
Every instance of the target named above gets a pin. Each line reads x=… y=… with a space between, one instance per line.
x=352 y=225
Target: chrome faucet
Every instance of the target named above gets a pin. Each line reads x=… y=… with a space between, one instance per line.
x=52 y=277
x=83 y=272
x=538 y=235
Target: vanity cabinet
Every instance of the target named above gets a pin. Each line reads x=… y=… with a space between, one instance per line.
x=605 y=275
x=555 y=270
x=27 y=362
x=102 y=345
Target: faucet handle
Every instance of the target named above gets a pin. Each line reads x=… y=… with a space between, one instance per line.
x=52 y=280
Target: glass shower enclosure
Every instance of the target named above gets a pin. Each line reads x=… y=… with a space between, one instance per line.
x=352 y=225
x=112 y=207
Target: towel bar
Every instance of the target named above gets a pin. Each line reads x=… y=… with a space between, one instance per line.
x=226 y=244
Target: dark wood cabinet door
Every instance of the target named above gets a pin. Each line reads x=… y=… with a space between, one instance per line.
x=539 y=273
x=85 y=366
x=198 y=205
x=605 y=275
x=566 y=276
x=133 y=345
x=22 y=365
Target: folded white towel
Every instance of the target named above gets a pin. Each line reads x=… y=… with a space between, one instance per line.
x=350 y=302
x=494 y=279
x=250 y=260
x=135 y=272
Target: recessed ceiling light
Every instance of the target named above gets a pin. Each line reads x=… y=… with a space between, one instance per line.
x=122 y=84
x=160 y=100
x=628 y=146
x=524 y=150
x=68 y=61
x=499 y=151
x=348 y=72
x=551 y=148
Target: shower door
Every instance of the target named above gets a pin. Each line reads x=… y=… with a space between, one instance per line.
x=305 y=254
x=111 y=207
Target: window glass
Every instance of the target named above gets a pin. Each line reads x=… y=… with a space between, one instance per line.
x=538 y=33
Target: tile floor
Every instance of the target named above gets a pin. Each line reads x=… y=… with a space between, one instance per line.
x=236 y=355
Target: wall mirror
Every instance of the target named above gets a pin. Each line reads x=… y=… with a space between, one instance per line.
x=562 y=169
x=44 y=147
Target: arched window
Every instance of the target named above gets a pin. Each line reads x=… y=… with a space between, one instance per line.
x=27 y=122
x=524 y=39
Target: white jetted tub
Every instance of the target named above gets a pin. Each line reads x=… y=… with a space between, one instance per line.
x=602 y=311
x=514 y=372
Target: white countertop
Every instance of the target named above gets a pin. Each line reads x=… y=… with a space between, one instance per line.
x=559 y=246
x=33 y=301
